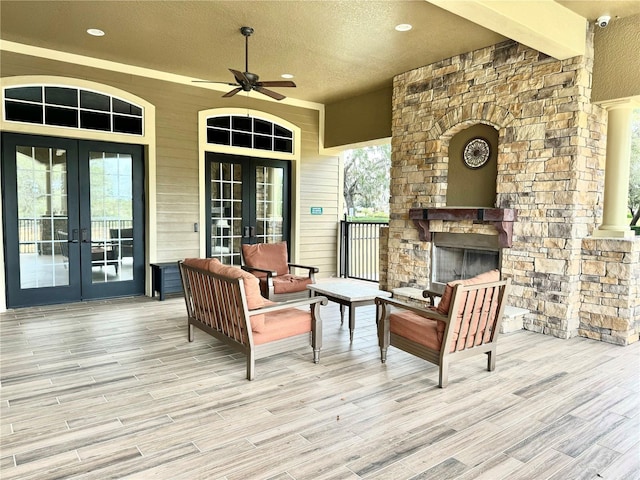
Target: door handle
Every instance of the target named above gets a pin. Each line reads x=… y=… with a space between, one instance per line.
x=85 y=235
x=249 y=232
x=74 y=236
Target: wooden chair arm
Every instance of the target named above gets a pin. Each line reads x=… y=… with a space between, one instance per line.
x=290 y=304
x=431 y=295
x=311 y=269
x=423 y=312
x=269 y=273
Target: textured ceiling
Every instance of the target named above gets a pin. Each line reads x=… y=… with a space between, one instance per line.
x=335 y=49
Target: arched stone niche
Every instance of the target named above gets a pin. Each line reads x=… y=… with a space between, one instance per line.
x=472 y=187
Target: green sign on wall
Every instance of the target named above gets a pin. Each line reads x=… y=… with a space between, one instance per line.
x=316 y=210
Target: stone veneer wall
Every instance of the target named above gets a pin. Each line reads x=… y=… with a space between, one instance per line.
x=551 y=159
x=383 y=251
x=610 y=292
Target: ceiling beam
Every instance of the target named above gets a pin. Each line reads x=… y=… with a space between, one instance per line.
x=543 y=25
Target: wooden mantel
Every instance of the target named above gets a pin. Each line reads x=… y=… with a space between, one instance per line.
x=501 y=218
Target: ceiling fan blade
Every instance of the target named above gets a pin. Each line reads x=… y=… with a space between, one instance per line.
x=232 y=92
x=240 y=77
x=269 y=93
x=276 y=83
x=213 y=81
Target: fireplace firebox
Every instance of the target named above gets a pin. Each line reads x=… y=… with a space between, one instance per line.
x=458 y=256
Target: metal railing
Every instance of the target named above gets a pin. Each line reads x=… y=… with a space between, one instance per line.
x=360 y=250
x=36 y=233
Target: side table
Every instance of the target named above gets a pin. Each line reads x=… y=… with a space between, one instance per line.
x=165 y=278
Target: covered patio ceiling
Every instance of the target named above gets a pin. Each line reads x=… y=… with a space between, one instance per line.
x=334 y=49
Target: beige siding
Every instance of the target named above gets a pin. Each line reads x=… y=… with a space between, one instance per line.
x=319 y=184
x=177 y=166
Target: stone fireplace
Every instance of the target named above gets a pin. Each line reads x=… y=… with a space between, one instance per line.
x=546 y=187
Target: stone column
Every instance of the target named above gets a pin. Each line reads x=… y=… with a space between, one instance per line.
x=616 y=176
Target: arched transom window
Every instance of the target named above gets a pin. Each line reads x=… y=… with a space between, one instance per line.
x=249 y=132
x=71 y=108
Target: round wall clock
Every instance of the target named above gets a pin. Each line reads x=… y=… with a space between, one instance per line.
x=476 y=152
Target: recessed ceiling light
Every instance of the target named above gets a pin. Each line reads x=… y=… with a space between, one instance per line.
x=403 y=27
x=286 y=75
x=96 y=32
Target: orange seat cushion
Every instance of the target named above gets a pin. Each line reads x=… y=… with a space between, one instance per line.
x=283 y=324
x=290 y=283
x=416 y=328
x=268 y=256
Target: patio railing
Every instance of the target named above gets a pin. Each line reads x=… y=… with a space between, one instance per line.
x=35 y=233
x=360 y=250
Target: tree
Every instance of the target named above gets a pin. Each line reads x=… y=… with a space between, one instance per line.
x=634 y=174
x=367 y=178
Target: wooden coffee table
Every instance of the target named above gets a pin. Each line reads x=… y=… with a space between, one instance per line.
x=349 y=293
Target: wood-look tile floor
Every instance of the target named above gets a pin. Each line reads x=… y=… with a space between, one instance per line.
x=112 y=389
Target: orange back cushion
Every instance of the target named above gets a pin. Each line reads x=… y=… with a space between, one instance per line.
x=201 y=263
x=251 y=284
x=445 y=301
x=269 y=256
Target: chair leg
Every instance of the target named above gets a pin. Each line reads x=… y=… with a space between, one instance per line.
x=443 y=379
x=491 y=360
x=383 y=334
x=250 y=365
x=316 y=331
x=190 y=332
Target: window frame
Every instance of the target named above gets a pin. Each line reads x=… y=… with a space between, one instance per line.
x=45 y=106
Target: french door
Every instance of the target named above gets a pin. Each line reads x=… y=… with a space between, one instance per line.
x=73 y=214
x=248 y=203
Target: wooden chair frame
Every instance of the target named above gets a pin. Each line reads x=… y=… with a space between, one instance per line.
x=487 y=343
x=217 y=305
x=266 y=281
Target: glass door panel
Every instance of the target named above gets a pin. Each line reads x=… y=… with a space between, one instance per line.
x=111 y=206
x=269 y=204
x=226 y=212
x=42 y=216
x=112 y=219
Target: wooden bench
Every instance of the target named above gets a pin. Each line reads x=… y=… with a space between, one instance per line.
x=225 y=302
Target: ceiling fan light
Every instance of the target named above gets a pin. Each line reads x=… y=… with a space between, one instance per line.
x=286 y=75
x=95 y=32
x=403 y=27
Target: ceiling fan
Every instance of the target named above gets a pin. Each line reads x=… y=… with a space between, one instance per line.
x=247 y=81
